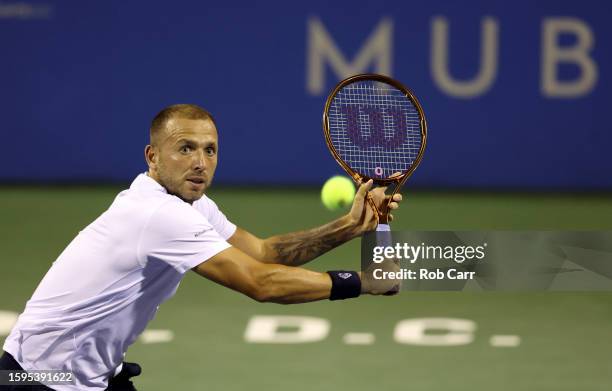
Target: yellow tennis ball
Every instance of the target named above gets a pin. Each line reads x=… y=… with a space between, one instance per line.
x=338 y=192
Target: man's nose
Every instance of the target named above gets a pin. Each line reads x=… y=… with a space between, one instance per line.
x=199 y=160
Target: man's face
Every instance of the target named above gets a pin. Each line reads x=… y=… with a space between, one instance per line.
x=184 y=158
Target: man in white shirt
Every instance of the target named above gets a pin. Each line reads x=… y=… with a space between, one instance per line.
x=104 y=288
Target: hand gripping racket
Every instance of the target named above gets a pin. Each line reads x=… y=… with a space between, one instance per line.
x=376 y=129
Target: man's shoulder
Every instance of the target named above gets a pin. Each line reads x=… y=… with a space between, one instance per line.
x=131 y=206
x=172 y=206
x=205 y=205
x=153 y=204
x=203 y=201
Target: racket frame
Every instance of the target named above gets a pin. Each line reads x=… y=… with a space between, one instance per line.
x=398 y=180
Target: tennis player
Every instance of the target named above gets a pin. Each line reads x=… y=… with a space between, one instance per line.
x=103 y=289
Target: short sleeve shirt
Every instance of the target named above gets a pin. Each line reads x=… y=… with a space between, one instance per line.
x=104 y=288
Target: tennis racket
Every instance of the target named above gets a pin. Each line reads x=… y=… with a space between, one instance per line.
x=375 y=128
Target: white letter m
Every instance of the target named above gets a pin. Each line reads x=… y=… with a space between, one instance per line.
x=321 y=48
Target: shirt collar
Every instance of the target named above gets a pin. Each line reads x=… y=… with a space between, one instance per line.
x=145 y=182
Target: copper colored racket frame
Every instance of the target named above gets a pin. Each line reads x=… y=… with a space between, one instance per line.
x=399 y=180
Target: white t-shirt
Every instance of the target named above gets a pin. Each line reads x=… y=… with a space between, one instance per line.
x=104 y=288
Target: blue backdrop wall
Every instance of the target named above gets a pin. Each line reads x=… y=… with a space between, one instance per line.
x=517 y=94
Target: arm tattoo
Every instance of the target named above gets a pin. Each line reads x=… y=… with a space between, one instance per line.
x=297 y=248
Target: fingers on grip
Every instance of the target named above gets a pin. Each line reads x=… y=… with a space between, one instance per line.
x=364 y=188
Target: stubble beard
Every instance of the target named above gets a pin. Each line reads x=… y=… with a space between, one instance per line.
x=173 y=186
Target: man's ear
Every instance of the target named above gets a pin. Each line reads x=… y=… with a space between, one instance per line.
x=151 y=156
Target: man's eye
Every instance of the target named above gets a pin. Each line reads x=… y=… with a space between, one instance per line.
x=210 y=151
x=186 y=149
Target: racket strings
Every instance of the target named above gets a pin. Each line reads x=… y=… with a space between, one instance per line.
x=375 y=128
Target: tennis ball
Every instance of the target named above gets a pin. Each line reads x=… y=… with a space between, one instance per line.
x=338 y=192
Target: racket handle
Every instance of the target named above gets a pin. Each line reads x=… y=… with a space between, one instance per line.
x=383 y=235
x=384 y=238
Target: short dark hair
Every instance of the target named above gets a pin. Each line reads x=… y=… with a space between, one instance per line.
x=188 y=111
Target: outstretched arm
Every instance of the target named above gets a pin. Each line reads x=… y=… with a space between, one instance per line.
x=278 y=283
x=297 y=248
